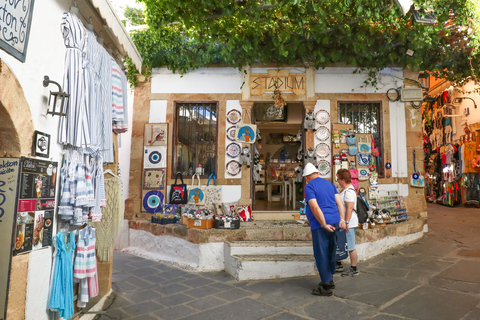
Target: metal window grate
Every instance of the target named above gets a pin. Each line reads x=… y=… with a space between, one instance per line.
x=365 y=117
x=196 y=137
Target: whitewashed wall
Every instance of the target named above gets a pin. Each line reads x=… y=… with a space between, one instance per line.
x=45 y=56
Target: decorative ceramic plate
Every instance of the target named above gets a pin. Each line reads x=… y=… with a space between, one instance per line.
x=322 y=133
x=322 y=117
x=231 y=133
x=233 y=168
x=323 y=167
x=322 y=150
x=233 y=150
x=234 y=116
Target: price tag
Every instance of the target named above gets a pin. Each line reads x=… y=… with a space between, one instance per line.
x=197 y=223
x=227 y=224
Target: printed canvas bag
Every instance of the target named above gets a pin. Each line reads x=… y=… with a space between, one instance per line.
x=213 y=194
x=363 y=145
x=246 y=133
x=195 y=193
x=178 y=192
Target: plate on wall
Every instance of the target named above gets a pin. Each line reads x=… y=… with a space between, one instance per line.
x=322 y=133
x=234 y=116
x=233 y=168
x=233 y=150
x=322 y=150
x=231 y=133
x=323 y=167
x=322 y=117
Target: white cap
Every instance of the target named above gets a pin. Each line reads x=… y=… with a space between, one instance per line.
x=309 y=169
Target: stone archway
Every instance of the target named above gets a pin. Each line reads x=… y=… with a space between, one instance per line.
x=16 y=129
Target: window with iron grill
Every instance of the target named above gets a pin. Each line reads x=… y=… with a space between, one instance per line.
x=365 y=117
x=195 y=137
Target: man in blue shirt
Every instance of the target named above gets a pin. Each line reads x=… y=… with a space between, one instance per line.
x=325 y=213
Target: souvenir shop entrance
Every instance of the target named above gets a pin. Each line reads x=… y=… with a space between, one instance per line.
x=276 y=185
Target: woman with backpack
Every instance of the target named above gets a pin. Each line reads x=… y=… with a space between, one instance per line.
x=349 y=197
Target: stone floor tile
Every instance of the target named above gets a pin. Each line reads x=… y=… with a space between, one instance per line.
x=145 y=317
x=461 y=286
x=115 y=314
x=124 y=267
x=373 y=289
x=117 y=300
x=244 y=309
x=221 y=286
x=428 y=302
x=474 y=314
x=173 y=313
x=201 y=291
x=173 y=273
x=174 y=299
x=330 y=308
x=233 y=294
x=140 y=283
x=140 y=296
x=383 y=316
x=398 y=262
x=172 y=288
x=206 y=303
x=285 y=316
x=430 y=265
x=384 y=272
x=123 y=286
x=197 y=281
x=464 y=270
x=218 y=276
x=143 y=308
x=144 y=272
x=142 y=262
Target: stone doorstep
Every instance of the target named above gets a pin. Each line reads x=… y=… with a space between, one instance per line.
x=285 y=230
x=276 y=258
x=269 y=243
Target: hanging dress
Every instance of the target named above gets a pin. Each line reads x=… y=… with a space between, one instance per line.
x=85 y=266
x=74 y=128
x=61 y=296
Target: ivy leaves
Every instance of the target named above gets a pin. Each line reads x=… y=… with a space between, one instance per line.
x=368 y=34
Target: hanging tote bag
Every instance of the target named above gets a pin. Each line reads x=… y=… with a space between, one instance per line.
x=178 y=192
x=416 y=180
x=246 y=133
x=375 y=151
x=351 y=140
x=195 y=193
x=363 y=159
x=213 y=194
x=363 y=175
x=363 y=145
x=352 y=150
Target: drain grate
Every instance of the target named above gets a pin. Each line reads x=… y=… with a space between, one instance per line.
x=469 y=253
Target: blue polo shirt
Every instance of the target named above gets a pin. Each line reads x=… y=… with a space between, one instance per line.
x=324 y=191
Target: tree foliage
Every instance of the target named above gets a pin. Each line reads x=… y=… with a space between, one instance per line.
x=367 y=34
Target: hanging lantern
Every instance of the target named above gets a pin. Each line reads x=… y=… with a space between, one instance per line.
x=59 y=97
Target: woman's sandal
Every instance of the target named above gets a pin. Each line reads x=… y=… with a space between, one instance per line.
x=320 y=291
x=328 y=285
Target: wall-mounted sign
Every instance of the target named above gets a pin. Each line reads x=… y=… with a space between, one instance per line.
x=41 y=144
x=283 y=80
x=15 y=22
x=9 y=171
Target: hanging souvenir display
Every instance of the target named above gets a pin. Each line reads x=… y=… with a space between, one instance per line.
x=178 y=192
x=233 y=168
x=323 y=167
x=351 y=139
x=153 y=178
x=246 y=132
x=213 y=194
x=155 y=134
x=371 y=165
x=153 y=201
x=231 y=133
x=373 y=179
x=363 y=175
x=336 y=138
x=375 y=151
x=322 y=150
x=233 y=150
x=322 y=133
x=388 y=167
x=246 y=156
x=322 y=117
x=363 y=159
x=195 y=193
x=309 y=122
x=234 y=116
x=416 y=180
x=155 y=157
x=363 y=145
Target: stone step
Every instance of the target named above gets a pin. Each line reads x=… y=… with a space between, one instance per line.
x=254 y=267
x=273 y=215
x=268 y=247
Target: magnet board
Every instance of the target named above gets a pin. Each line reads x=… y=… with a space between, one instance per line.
x=155 y=157
x=155 y=134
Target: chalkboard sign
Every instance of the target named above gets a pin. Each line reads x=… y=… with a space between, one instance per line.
x=15 y=22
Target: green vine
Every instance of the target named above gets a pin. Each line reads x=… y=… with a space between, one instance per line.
x=368 y=35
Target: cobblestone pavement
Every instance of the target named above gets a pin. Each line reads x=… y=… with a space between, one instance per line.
x=434 y=278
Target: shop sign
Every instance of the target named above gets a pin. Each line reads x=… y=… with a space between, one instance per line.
x=15 y=22
x=9 y=175
x=282 y=80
